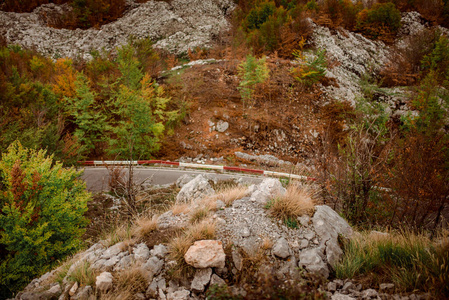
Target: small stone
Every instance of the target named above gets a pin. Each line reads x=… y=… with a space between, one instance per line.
x=179 y=295
x=154 y=265
x=348 y=286
x=245 y=232
x=237 y=259
x=216 y=280
x=159 y=250
x=312 y=261
x=205 y=254
x=73 y=289
x=331 y=286
x=103 y=281
x=304 y=220
x=386 y=287
x=84 y=294
x=304 y=244
x=141 y=252
x=369 y=293
x=222 y=126
x=338 y=296
x=112 y=251
x=201 y=279
x=281 y=248
x=309 y=235
x=151 y=291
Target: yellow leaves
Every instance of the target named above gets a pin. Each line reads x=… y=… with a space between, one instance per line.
x=65 y=79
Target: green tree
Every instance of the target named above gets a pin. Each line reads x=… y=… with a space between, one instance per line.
x=41 y=221
x=88 y=117
x=251 y=72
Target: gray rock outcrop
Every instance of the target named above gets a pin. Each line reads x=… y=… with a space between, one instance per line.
x=195 y=189
x=176 y=26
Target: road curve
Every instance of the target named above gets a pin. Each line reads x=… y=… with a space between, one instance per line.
x=97 y=178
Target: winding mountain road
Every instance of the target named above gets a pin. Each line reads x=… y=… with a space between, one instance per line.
x=97 y=178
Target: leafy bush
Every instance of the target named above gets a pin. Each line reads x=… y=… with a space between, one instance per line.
x=311 y=69
x=42 y=219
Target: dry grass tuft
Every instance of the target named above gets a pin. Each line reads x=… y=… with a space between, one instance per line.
x=228 y=196
x=143 y=226
x=180 y=208
x=116 y=234
x=295 y=202
x=199 y=214
x=83 y=274
x=205 y=230
x=267 y=243
x=132 y=280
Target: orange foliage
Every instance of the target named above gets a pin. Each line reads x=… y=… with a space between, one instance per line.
x=65 y=78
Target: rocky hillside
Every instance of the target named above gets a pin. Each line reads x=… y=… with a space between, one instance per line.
x=176 y=26
x=189 y=252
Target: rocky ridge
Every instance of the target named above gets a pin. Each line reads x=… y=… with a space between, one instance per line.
x=244 y=229
x=175 y=26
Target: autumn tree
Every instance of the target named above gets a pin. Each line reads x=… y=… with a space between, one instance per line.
x=41 y=221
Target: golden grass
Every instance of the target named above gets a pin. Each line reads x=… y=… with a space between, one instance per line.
x=296 y=202
x=200 y=213
x=204 y=230
x=267 y=243
x=143 y=226
x=132 y=280
x=116 y=234
x=229 y=195
x=180 y=208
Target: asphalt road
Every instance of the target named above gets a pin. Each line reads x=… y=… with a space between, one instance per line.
x=96 y=178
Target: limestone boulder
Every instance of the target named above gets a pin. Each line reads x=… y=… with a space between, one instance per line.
x=206 y=254
x=103 y=281
x=267 y=189
x=195 y=189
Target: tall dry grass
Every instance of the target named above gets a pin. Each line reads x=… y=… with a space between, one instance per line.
x=413 y=262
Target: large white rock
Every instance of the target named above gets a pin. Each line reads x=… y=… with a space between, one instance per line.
x=195 y=189
x=206 y=254
x=267 y=189
x=311 y=260
x=104 y=281
x=328 y=225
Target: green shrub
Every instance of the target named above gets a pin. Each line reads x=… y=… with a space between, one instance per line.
x=382 y=21
x=311 y=69
x=251 y=72
x=42 y=207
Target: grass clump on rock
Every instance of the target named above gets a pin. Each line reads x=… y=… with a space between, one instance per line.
x=296 y=202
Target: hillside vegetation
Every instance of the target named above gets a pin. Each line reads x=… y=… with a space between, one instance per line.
x=367 y=116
